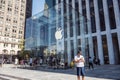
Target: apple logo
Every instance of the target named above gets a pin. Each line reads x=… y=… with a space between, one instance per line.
x=58 y=34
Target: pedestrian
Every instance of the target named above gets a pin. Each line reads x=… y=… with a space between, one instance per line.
x=95 y=60
x=91 y=63
x=79 y=61
x=31 y=62
x=98 y=61
x=16 y=62
x=41 y=61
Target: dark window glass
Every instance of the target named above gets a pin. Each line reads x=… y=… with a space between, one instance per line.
x=78 y=27
x=59 y=1
x=77 y=18
x=86 y=50
x=105 y=49
x=119 y=4
x=116 y=47
x=66 y=58
x=92 y=14
x=101 y=14
x=65 y=30
x=71 y=29
x=70 y=1
x=72 y=49
x=65 y=10
x=95 y=46
x=79 y=42
x=111 y=14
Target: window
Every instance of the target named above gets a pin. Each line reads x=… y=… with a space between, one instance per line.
x=79 y=42
x=65 y=29
x=71 y=29
x=23 y=1
x=5 y=29
x=6 y=34
x=111 y=14
x=19 y=46
x=14 y=36
x=92 y=14
x=119 y=4
x=101 y=14
x=20 y=32
x=10 y=3
x=9 y=9
x=5 y=45
x=14 y=31
x=105 y=49
x=12 y=45
x=72 y=49
x=14 y=26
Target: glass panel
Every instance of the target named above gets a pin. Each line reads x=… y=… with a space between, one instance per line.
x=101 y=14
x=92 y=14
x=42 y=27
x=119 y=4
x=105 y=49
x=116 y=48
x=95 y=46
x=111 y=14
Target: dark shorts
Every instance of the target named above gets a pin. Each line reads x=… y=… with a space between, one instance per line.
x=80 y=71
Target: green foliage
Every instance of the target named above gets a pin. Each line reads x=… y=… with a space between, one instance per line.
x=24 y=54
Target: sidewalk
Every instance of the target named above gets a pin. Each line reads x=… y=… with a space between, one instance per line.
x=104 y=72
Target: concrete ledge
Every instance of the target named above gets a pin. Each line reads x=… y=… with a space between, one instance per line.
x=8 y=65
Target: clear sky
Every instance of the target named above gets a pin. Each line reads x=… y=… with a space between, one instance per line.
x=38 y=5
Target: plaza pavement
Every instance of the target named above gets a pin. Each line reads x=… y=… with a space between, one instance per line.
x=104 y=72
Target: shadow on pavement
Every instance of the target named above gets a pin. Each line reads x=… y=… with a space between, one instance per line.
x=111 y=72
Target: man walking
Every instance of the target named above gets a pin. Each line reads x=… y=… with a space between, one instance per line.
x=91 y=63
x=79 y=61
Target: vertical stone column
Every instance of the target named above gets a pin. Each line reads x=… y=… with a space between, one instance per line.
x=74 y=26
x=89 y=29
x=99 y=39
x=62 y=26
x=82 y=30
x=68 y=34
x=57 y=20
x=108 y=32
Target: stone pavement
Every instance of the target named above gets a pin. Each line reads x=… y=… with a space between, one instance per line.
x=104 y=72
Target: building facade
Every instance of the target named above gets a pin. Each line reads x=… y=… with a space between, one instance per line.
x=92 y=26
x=102 y=31
x=12 y=23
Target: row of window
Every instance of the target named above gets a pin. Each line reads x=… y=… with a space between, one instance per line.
x=3 y=1
x=13 y=36
x=9 y=9
x=87 y=23
x=12 y=45
x=7 y=39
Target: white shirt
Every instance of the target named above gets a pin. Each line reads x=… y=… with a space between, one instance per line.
x=16 y=61
x=31 y=60
x=79 y=64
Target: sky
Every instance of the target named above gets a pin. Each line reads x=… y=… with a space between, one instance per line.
x=38 y=6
